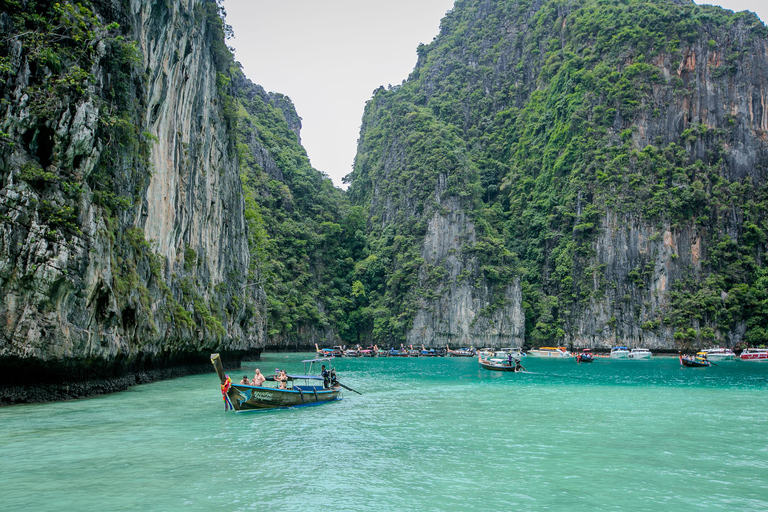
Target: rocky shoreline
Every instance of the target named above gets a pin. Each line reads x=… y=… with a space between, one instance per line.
x=47 y=383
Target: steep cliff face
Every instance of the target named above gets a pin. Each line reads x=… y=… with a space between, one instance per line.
x=611 y=157
x=460 y=310
x=123 y=243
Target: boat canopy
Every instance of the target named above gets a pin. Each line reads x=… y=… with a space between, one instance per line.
x=307 y=377
x=316 y=360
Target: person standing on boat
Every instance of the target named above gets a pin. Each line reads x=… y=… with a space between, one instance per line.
x=258 y=378
x=282 y=379
x=326 y=377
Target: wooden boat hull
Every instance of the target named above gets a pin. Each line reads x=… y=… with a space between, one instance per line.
x=581 y=358
x=245 y=398
x=498 y=367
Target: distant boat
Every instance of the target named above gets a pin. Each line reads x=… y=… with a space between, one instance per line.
x=754 y=354
x=516 y=352
x=352 y=352
x=719 y=354
x=640 y=353
x=323 y=352
x=462 y=352
x=549 y=352
x=586 y=356
x=619 y=353
x=425 y=352
x=499 y=365
x=242 y=397
x=371 y=351
x=694 y=361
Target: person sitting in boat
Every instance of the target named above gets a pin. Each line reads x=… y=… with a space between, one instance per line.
x=245 y=381
x=326 y=377
x=258 y=378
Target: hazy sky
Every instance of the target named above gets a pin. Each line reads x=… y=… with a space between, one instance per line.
x=329 y=56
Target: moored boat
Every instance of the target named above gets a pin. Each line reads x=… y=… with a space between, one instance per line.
x=754 y=354
x=499 y=365
x=549 y=352
x=515 y=352
x=640 y=353
x=428 y=352
x=371 y=351
x=619 y=352
x=586 y=356
x=353 y=352
x=323 y=352
x=462 y=352
x=242 y=397
x=719 y=354
x=696 y=361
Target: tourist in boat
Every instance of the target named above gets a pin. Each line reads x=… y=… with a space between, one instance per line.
x=245 y=381
x=326 y=377
x=258 y=378
x=282 y=379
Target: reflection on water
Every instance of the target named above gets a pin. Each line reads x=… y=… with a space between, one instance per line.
x=427 y=434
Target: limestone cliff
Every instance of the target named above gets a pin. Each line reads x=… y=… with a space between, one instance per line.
x=596 y=170
x=123 y=244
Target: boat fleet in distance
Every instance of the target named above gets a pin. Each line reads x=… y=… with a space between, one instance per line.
x=584 y=356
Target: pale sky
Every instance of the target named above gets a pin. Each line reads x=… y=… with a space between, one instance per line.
x=329 y=56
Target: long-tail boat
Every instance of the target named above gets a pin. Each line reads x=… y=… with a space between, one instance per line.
x=462 y=352
x=694 y=361
x=586 y=356
x=500 y=365
x=242 y=397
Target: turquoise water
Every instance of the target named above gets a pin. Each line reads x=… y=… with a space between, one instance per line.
x=427 y=434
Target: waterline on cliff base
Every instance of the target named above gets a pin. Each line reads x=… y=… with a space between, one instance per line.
x=427 y=434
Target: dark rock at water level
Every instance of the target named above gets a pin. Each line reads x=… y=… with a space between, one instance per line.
x=30 y=381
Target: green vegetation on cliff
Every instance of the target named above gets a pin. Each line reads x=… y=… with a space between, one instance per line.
x=304 y=237
x=559 y=126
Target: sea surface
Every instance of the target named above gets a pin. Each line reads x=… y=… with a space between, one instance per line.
x=427 y=434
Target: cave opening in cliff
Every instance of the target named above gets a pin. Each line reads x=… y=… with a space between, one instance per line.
x=39 y=141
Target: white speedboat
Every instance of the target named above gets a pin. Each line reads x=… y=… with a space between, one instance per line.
x=549 y=352
x=719 y=354
x=515 y=352
x=640 y=353
x=620 y=353
x=754 y=354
